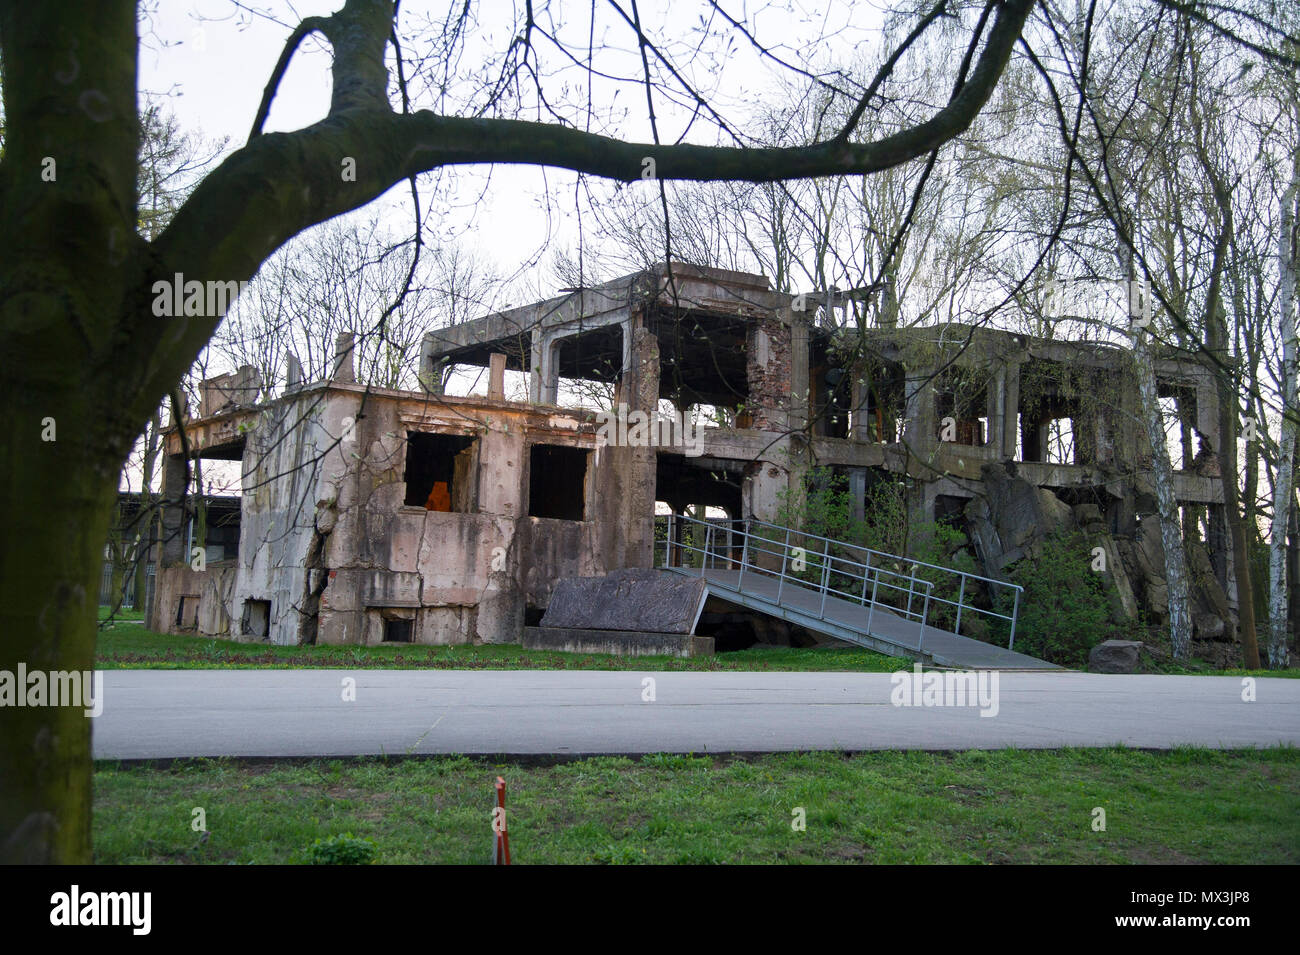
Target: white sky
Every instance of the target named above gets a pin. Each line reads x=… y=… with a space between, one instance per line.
x=211 y=59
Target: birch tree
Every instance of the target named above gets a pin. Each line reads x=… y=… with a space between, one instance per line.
x=1283 y=485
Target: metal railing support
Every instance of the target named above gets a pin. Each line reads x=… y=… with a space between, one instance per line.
x=960 y=597
x=785 y=552
x=1015 y=613
x=871 y=611
x=744 y=553
x=925 y=613
x=826 y=577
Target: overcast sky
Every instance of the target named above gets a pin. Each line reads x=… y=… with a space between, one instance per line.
x=210 y=60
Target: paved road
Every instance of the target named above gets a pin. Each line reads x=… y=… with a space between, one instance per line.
x=172 y=713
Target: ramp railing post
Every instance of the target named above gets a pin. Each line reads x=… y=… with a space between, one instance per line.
x=871 y=611
x=744 y=553
x=668 y=539
x=911 y=589
x=708 y=548
x=785 y=553
x=1015 y=612
x=826 y=576
x=925 y=612
x=960 y=597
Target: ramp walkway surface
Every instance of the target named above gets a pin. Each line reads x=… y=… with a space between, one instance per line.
x=875 y=600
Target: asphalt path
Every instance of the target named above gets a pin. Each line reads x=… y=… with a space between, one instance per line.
x=157 y=714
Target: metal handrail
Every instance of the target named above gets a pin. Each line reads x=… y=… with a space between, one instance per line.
x=909 y=584
x=752 y=544
x=960 y=603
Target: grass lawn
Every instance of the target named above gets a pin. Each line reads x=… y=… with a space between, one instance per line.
x=130 y=646
x=123 y=613
x=1185 y=806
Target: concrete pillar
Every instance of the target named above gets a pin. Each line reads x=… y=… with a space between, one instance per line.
x=1012 y=414
x=172 y=519
x=679 y=557
x=629 y=327
x=1207 y=412
x=799 y=383
x=918 y=402
x=858 y=493
x=1043 y=429
x=497 y=377
x=431 y=367
x=768 y=364
x=544 y=380
x=996 y=409
x=862 y=422
x=292 y=372
x=638 y=480
x=344 y=346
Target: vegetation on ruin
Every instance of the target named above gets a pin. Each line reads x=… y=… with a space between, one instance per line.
x=1064 y=612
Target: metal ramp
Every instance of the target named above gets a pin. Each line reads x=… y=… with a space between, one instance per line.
x=865 y=597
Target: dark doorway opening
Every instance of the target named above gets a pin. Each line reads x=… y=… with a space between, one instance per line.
x=440 y=471
x=557 y=480
x=257 y=618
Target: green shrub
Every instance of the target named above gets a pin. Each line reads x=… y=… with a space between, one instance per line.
x=826 y=508
x=1064 y=611
x=343 y=850
x=944 y=545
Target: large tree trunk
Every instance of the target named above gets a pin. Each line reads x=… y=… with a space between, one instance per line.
x=1282 y=487
x=1237 y=531
x=58 y=504
x=70 y=281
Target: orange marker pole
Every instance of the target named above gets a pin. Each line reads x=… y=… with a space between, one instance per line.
x=501 y=842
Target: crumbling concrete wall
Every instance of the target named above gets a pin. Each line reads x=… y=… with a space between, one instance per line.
x=329 y=542
x=196 y=602
x=290 y=489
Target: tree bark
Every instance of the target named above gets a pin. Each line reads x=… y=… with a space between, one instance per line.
x=68 y=256
x=1283 y=491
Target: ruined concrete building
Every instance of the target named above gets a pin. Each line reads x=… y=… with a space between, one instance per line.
x=373 y=515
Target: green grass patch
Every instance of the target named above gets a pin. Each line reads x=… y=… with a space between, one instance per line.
x=122 y=613
x=1198 y=667
x=1006 y=806
x=128 y=646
